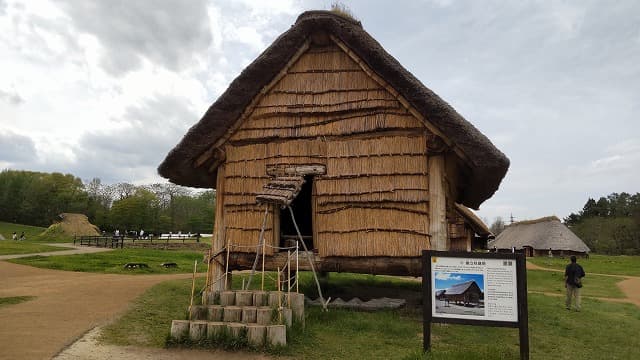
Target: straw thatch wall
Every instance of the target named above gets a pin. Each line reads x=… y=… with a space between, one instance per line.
x=460 y=234
x=325 y=110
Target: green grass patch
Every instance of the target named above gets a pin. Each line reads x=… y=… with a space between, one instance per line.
x=600 y=330
x=7 y=229
x=148 y=321
x=601 y=264
x=594 y=285
x=11 y=247
x=112 y=262
x=6 y=301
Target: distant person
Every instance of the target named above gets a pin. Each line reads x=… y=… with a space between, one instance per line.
x=550 y=253
x=573 y=275
x=141 y=234
x=22 y=237
x=14 y=236
x=116 y=233
x=513 y=249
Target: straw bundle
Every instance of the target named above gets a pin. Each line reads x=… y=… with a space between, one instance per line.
x=408 y=196
x=363 y=185
x=378 y=243
x=387 y=145
x=369 y=121
x=361 y=219
x=324 y=58
x=295 y=98
x=274 y=150
x=243 y=225
x=378 y=165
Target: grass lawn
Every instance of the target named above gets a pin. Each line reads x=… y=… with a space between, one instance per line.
x=601 y=330
x=594 y=285
x=23 y=247
x=601 y=264
x=5 y=301
x=7 y=229
x=112 y=262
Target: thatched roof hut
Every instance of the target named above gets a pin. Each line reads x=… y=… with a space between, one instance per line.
x=539 y=236
x=325 y=120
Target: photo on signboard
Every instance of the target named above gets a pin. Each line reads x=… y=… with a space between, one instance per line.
x=459 y=293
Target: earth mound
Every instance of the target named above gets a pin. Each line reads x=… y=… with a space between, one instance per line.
x=70 y=224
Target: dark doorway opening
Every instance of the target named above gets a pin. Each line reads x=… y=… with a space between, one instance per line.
x=303 y=212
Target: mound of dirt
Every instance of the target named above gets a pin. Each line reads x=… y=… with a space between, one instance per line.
x=73 y=225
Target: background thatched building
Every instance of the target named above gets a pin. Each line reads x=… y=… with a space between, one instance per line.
x=381 y=159
x=537 y=237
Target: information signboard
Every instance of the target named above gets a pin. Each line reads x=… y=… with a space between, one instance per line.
x=486 y=289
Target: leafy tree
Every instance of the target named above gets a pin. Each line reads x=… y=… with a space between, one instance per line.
x=610 y=225
x=497 y=226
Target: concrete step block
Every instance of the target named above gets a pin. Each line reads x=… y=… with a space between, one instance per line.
x=237 y=330
x=244 y=298
x=277 y=335
x=256 y=334
x=260 y=298
x=264 y=315
x=198 y=330
x=215 y=312
x=180 y=329
x=232 y=314
x=228 y=298
x=249 y=314
x=198 y=312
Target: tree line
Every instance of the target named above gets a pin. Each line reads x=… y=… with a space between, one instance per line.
x=36 y=198
x=609 y=225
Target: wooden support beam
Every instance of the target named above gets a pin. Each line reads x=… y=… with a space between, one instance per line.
x=437 y=204
x=381 y=265
x=216 y=266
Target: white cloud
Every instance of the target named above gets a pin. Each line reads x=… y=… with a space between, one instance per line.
x=447 y=276
x=553 y=86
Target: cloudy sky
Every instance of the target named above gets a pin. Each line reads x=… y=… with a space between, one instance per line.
x=106 y=88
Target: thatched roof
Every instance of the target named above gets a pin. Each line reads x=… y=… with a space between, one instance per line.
x=461 y=288
x=487 y=164
x=541 y=234
x=478 y=226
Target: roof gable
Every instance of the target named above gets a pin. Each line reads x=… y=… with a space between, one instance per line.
x=326 y=93
x=186 y=165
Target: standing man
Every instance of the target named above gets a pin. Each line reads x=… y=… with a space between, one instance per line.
x=573 y=275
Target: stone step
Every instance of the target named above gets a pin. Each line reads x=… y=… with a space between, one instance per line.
x=262 y=315
x=242 y=298
x=251 y=298
x=255 y=334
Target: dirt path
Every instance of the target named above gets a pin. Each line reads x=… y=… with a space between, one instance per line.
x=73 y=250
x=66 y=305
x=630 y=287
x=88 y=348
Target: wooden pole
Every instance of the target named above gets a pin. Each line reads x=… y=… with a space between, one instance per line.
x=218 y=243
x=263 y=254
x=279 y=299
x=313 y=269
x=297 y=274
x=193 y=286
x=226 y=271
x=289 y=278
x=206 y=282
x=437 y=204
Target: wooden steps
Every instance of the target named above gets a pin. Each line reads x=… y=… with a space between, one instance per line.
x=258 y=318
